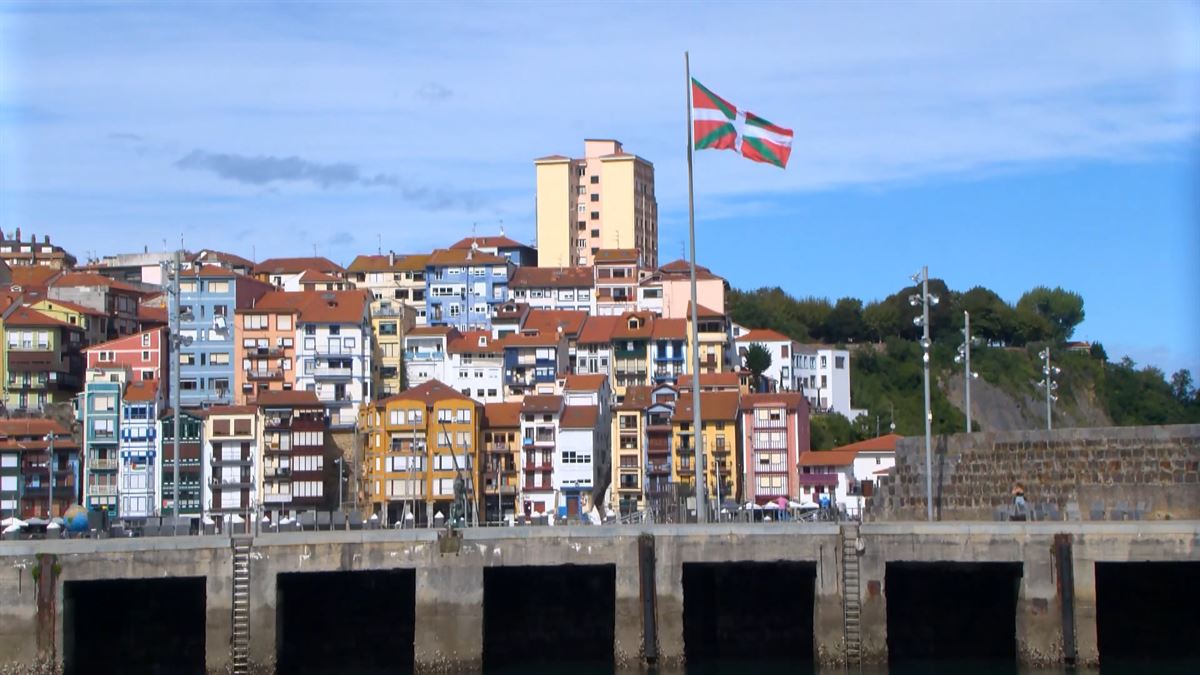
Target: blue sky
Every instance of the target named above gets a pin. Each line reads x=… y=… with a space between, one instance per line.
x=1003 y=144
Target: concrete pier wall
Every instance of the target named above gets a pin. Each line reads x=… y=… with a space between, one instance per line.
x=450 y=578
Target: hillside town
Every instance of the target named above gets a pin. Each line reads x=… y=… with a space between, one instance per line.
x=489 y=381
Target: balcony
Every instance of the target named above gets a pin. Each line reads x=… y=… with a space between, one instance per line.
x=277 y=472
x=684 y=470
x=266 y=352
x=259 y=375
x=539 y=466
x=658 y=467
x=423 y=355
x=771 y=468
x=237 y=461
x=220 y=483
x=102 y=490
x=277 y=498
x=333 y=373
x=102 y=464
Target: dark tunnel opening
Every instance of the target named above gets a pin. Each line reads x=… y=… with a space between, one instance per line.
x=1148 y=614
x=345 y=622
x=952 y=615
x=745 y=615
x=134 y=626
x=552 y=615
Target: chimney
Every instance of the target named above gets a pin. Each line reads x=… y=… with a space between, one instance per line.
x=18 y=237
x=33 y=238
x=46 y=239
x=391 y=258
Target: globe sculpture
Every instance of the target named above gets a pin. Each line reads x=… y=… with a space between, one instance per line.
x=76 y=519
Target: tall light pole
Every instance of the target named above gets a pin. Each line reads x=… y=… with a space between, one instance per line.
x=964 y=357
x=1048 y=383
x=50 y=476
x=174 y=317
x=924 y=299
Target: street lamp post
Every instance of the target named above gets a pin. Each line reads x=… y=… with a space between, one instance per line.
x=50 y=476
x=964 y=357
x=925 y=299
x=338 y=462
x=1049 y=384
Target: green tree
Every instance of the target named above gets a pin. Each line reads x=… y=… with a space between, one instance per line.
x=1062 y=309
x=1181 y=385
x=882 y=320
x=830 y=430
x=991 y=318
x=758 y=360
x=844 y=323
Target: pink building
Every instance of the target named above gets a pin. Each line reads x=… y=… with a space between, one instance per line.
x=775 y=434
x=144 y=355
x=675 y=280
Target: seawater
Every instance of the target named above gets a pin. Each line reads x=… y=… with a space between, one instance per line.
x=743 y=667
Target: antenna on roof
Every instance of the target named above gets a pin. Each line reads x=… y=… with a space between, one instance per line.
x=379 y=249
x=501 y=227
x=314 y=249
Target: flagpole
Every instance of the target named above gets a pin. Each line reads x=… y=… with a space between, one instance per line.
x=700 y=472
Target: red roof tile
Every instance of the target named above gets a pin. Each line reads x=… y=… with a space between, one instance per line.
x=885 y=443
x=383 y=263
x=72 y=306
x=300 y=398
x=683 y=268
x=609 y=256
x=637 y=397
x=296 y=265
x=141 y=391
x=81 y=279
x=231 y=410
x=537 y=339
x=598 y=330
x=669 y=329
x=222 y=257
x=585 y=382
x=498 y=242
x=32 y=426
x=469 y=343
x=501 y=415
x=317 y=276
x=429 y=393
x=828 y=457
x=704 y=312
x=721 y=406
x=548 y=321
x=446 y=256
x=763 y=335
x=579 y=417
x=634 y=325
x=317 y=306
x=24 y=316
x=541 y=403
x=790 y=400
x=552 y=277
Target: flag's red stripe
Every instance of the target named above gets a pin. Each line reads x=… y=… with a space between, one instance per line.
x=763 y=124
x=704 y=99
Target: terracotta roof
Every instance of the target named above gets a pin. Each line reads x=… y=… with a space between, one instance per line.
x=579 y=417
x=141 y=391
x=429 y=393
x=81 y=279
x=71 y=306
x=33 y=275
x=541 y=403
x=500 y=241
x=383 y=263
x=644 y=329
x=209 y=271
x=637 y=397
x=885 y=443
x=456 y=256
x=220 y=256
x=296 y=265
x=684 y=268
x=538 y=339
x=704 y=312
x=763 y=335
x=468 y=343
x=231 y=410
x=24 y=316
x=791 y=400
x=721 y=406
x=152 y=314
x=501 y=415
x=317 y=276
x=317 y=306
x=669 y=329
x=553 y=158
x=598 y=330
x=448 y=331
x=548 y=321
x=585 y=382
x=828 y=457
x=32 y=426
x=616 y=255
x=726 y=379
x=510 y=311
x=268 y=398
x=552 y=277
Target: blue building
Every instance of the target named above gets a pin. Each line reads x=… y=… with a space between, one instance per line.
x=98 y=410
x=463 y=287
x=668 y=349
x=208 y=296
x=532 y=361
x=139 y=471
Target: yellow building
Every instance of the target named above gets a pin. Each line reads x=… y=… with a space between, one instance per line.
x=418 y=443
x=390 y=322
x=603 y=201
x=714 y=339
x=92 y=321
x=719 y=418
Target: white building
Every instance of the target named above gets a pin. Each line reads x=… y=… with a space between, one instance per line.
x=138 y=475
x=828 y=473
x=576 y=459
x=333 y=348
x=823 y=374
x=780 y=375
x=285 y=273
x=426 y=350
x=475 y=365
x=539 y=438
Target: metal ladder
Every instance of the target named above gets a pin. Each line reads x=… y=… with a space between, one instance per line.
x=240 y=649
x=851 y=596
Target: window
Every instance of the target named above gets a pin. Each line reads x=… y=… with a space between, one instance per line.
x=283 y=321
x=581 y=243
x=583 y=189
x=595 y=180
x=187 y=286
x=594 y=215
x=145 y=339
x=582 y=224
x=218 y=287
x=218 y=359
x=254 y=322
x=839 y=362
x=582 y=208
x=145 y=356
x=595 y=197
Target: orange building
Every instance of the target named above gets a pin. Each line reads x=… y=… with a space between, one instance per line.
x=265 y=348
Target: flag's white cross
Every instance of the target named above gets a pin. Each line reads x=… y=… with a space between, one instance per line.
x=739 y=128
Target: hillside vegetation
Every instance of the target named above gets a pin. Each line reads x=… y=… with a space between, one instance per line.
x=886 y=377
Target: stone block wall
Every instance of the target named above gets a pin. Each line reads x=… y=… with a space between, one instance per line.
x=973 y=474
